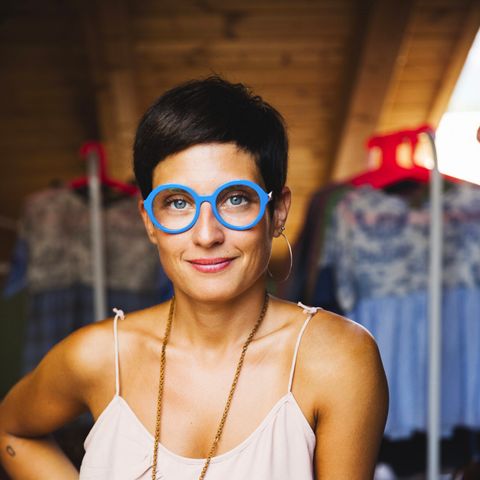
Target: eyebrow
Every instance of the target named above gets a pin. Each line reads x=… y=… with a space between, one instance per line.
x=177 y=189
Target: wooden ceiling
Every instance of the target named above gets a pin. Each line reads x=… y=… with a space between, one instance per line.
x=339 y=70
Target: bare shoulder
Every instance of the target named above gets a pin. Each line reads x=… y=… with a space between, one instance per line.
x=78 y=373
x=341 y=369
x=336 y=356
x=83 y=358
x=58 y=389
x=90 y=351
x=344 y=340
x=329 y=334
x=340 y=352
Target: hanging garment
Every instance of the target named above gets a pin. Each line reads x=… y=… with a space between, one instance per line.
x=306 y=282
x=56 y=228
x=53 y=262
x=379 y=246
x=320 y=288
x=16 y=280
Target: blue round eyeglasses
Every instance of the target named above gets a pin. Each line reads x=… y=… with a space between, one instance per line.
x=238 y=205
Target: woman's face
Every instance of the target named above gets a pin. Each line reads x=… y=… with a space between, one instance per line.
x=240 y=258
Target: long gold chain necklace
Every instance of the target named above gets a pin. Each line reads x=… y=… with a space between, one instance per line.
x=216 y=440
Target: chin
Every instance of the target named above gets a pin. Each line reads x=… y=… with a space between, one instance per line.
x=218 y=290
x=214 y=292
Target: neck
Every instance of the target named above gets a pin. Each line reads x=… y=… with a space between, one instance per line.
x=216 y=326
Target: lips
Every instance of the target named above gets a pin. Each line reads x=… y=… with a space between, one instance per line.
x=211 y=265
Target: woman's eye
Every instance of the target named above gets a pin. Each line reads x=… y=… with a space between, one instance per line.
x=236 y=200
x=177 y=203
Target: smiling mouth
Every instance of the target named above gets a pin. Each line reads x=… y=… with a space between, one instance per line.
x=211 y=265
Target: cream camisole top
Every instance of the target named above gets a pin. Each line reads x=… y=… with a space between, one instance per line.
x=119 y=446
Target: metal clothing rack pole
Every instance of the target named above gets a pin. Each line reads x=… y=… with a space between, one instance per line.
x=435 y=318
x=98 y=257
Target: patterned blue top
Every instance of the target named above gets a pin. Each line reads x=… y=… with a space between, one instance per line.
x=56 y=227
x=380 y=245
x=462 y=237
x=379 y=248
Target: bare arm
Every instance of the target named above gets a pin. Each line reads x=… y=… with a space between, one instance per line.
x=353 y=410
x=42 y=458
x=44 y=400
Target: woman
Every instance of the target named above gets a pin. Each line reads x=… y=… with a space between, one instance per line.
x=223 y=381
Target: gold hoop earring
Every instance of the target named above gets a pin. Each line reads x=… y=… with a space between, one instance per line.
x=282 y=228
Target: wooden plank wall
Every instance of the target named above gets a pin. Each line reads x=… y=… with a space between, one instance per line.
x=294 y=54
x=80 y=69
x=439 y=37
x=47 y=109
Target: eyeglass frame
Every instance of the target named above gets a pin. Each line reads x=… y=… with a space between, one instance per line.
x=211 y=199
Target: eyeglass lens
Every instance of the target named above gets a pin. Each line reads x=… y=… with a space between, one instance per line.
x=237 y=205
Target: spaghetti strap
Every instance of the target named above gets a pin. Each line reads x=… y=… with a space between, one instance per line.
x=118 y=314
x=311 y=311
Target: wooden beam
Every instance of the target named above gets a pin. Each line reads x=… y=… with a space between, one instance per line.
x=458 y=56
x=109 y=48
x=384 y=36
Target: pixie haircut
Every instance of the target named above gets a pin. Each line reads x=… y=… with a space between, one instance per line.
x=212 y=110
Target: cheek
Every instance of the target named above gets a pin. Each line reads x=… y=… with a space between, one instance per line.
x=169 y=248
x=260 y=246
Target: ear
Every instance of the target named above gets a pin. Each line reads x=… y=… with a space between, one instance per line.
x=149 y=227
x=280 y=214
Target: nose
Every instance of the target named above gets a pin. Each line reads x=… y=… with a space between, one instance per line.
x=207 y=231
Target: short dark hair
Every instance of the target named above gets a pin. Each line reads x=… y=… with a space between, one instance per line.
x=212 y=110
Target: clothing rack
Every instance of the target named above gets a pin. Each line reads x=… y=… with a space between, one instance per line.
x=434 y=297
x=434 y=317
x=94 y=154
x=378 y=178
x=393 y=172
x=98 y=254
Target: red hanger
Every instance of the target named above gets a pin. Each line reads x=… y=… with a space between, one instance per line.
x=97 y=147
x=390 y=171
